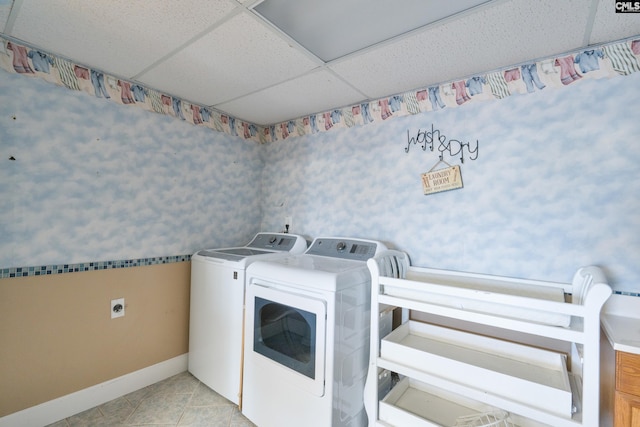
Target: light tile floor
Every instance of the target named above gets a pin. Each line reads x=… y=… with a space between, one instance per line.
x=180 y=400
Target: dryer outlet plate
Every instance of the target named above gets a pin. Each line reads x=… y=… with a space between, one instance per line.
x=117 y=308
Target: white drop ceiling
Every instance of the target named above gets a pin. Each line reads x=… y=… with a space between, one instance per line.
x=256 y=65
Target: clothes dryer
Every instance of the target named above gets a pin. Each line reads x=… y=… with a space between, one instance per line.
x=217 y=308
x=307 y=323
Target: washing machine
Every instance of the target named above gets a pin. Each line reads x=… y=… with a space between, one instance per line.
x=217 y=308
x=306 y=347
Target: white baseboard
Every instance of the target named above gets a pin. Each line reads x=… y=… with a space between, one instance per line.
x=71 y=404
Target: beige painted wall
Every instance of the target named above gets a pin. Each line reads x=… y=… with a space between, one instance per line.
x=57 y=335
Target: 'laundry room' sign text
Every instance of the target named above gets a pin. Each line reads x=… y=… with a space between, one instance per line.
x=442 y=180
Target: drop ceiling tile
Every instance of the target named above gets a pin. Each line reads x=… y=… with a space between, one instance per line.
x=239 y=57
x=119 y=36
x=610 y=26
x=329 y=30
x=316 y=92
x=493 y=36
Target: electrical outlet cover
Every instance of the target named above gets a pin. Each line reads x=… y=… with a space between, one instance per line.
x=117 y=308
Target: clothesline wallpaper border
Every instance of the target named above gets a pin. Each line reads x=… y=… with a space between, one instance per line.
x=603 y=61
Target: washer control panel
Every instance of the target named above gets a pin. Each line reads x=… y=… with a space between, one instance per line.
x=345 y=248
x=277 y=241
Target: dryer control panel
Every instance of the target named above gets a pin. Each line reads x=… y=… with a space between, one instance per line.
x=345 y=248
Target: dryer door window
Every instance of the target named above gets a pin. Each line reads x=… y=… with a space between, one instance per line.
x=289 y=329
x=287 y=335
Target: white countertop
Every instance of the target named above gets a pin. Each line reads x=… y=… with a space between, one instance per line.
x=620 y=319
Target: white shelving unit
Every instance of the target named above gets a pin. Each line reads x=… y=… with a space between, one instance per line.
x=448 y=373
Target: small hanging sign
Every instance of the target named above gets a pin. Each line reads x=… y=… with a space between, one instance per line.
x=436 y=181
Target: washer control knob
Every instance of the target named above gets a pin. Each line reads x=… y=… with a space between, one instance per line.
x=341 y=246
x=273 y=239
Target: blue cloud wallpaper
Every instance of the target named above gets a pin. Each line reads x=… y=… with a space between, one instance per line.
x=555 y=185
x=551 y=179
x=95 y=181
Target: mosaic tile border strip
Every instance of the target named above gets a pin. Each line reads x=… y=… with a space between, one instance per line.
x=45 y=270
x=608 y=60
